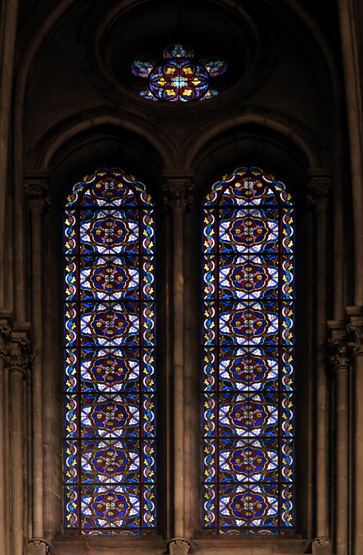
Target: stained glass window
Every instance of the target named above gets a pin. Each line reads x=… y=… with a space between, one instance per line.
x=248 y=341
x=109 y=342
x=178 y=78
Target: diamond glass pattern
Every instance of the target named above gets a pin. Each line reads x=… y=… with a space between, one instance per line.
x=248 y=341
x=109 y=340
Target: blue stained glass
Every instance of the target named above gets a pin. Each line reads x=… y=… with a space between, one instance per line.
x=248 y=341
x=109 y=339
x=179 y=78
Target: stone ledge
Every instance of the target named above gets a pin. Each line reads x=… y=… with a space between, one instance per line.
x=201 y=545
x=105 y=545
x=248 y=545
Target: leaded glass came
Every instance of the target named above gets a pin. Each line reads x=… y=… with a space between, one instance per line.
x=109 y=343
x=248 y=342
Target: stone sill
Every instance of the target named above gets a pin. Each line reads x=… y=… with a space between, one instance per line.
x=104 y=545
x=201 y=545
x=247 y=545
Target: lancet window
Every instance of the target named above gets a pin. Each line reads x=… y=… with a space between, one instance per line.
x=248 y=342
x=109 y=344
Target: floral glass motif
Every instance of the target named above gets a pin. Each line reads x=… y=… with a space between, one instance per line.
x=178 y=78
x=248 y=341
x=109 y=343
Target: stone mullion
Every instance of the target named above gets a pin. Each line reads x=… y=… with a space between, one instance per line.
x=177 y=189
x=37 y=198
x=340 y=364
x=169 y=382
x=319 y=186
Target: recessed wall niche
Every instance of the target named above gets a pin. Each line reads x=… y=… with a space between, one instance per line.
x=209 y=28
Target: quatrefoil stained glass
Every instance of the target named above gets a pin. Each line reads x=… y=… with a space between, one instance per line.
x=109 y=342
x=248 y=341
x=179 y=78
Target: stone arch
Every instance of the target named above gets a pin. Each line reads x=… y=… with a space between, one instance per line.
x=301 y=137
x=47 y=147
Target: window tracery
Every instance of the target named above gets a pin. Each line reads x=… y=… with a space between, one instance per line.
x=178 y=78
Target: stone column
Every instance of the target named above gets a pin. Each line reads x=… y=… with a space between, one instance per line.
x=177 y=193
x=5 y=332
x=308 y=425
x=319 y=186
x=37 y=199
x=355 y=327
x=18 y=360
x=7 y=38
x=353 y=94
x=340 y=365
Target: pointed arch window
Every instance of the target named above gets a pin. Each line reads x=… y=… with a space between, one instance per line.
x=109 y=343
x=248 y=341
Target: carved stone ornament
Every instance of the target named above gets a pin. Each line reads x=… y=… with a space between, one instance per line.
x=319 y=187
x=178 y=193
x=37 y=195
x=178 y=546
x=37 y=546
x=322 y=546
x=5 y=334
x=356 y=331
x=19 y=356
x=340 y=352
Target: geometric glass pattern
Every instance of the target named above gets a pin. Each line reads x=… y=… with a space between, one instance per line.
x=109 y=354
x=248 y=352
x=178 y=78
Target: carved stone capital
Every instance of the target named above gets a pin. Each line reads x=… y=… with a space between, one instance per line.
x=339 y=352
x=37 y=194
x=16 y=359
x=178 y=546
x=310 y=201
x=5 y=334
x=339 y=348
x=19 y=354
x=319 y=185
x=321 y=546
x=37 y=546
x=6 y=324
x=178 y=193
x=355 y=330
